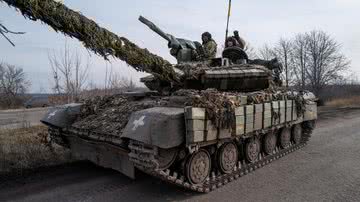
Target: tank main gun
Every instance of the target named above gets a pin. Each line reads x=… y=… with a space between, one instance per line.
x=156 y=29
x=183 y=50
x=95 y=38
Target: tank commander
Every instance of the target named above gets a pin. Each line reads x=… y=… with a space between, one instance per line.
x=235 y=40
x=231 y=42
x=241 y=41
x=209 y=46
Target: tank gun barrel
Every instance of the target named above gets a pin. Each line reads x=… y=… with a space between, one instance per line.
x=154 y=28
x=95 y=38
x=173 y=41
x=181 y=48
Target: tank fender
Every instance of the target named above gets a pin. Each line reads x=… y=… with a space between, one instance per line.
x=163 y=127
x=61 y=116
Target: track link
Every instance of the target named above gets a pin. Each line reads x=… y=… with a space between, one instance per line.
x=216 y=181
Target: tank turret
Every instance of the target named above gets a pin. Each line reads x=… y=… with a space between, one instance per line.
x=234 y=71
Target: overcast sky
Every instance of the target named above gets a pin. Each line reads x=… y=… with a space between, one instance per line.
x=258 y=21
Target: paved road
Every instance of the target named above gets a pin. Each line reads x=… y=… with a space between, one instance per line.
x=22 y=117
x=327 y=169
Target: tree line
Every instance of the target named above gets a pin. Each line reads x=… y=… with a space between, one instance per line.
x=311 y=60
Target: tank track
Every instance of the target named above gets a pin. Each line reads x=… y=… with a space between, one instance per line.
x=146 y=160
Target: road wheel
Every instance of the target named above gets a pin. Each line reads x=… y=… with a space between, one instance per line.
x=227 y=157
x=269 y=143
x=166 y=157
x=252 y=150
x=198 y=167
x=285 y=137
x=296 y=133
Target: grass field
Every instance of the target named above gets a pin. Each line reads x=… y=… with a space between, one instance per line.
x=344 y=102
x=28 y=148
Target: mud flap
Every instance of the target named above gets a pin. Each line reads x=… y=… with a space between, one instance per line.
x=102 y=154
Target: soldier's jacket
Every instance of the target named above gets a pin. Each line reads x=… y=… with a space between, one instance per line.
x=210 y=49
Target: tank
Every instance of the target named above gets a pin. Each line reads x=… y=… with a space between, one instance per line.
x=226 y=117
x=203 y=124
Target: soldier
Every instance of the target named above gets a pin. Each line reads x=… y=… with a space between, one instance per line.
x=209 y=46
x=240 y=40
x=231 y=42
x=235 y=40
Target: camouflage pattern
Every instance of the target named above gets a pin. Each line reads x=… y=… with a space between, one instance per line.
x=210 y=49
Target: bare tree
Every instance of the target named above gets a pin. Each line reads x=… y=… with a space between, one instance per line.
x=283 y=51
x=266 y=52
x=312 y=59
x=4 y=31
x=13 y=83
x=300 y=59
x=325 y=63
x=69 y=73
x=118 y=82
x=57 y=88
x=81 y=75
x=250 y=51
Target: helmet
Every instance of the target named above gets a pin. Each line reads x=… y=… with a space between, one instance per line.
x=207 y=34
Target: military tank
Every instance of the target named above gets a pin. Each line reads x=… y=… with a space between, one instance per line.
x=204 y=123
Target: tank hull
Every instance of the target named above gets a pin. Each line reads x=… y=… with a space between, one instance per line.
x=167 y=141
x=291 y=131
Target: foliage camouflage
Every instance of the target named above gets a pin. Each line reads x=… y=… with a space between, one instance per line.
x=95 y=38
x=110 y=114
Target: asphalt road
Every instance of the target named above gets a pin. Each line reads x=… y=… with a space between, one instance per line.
x=327 y=169
x=10 y=119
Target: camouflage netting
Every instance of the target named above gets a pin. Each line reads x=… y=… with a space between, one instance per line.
x=95 y=38
x=219 y=105
x=194 y=70
x=110 y=114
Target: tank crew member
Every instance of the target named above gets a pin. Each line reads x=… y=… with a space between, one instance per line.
x=231 y=42
x=240 y=40
x=235 y=40
x=209 y=46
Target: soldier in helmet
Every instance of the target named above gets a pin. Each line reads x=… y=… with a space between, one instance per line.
x=209 y=46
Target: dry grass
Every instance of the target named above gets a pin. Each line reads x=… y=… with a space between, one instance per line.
x=344 y=102
x=27 y=149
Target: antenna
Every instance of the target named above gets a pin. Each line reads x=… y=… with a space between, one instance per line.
x=228 y=19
